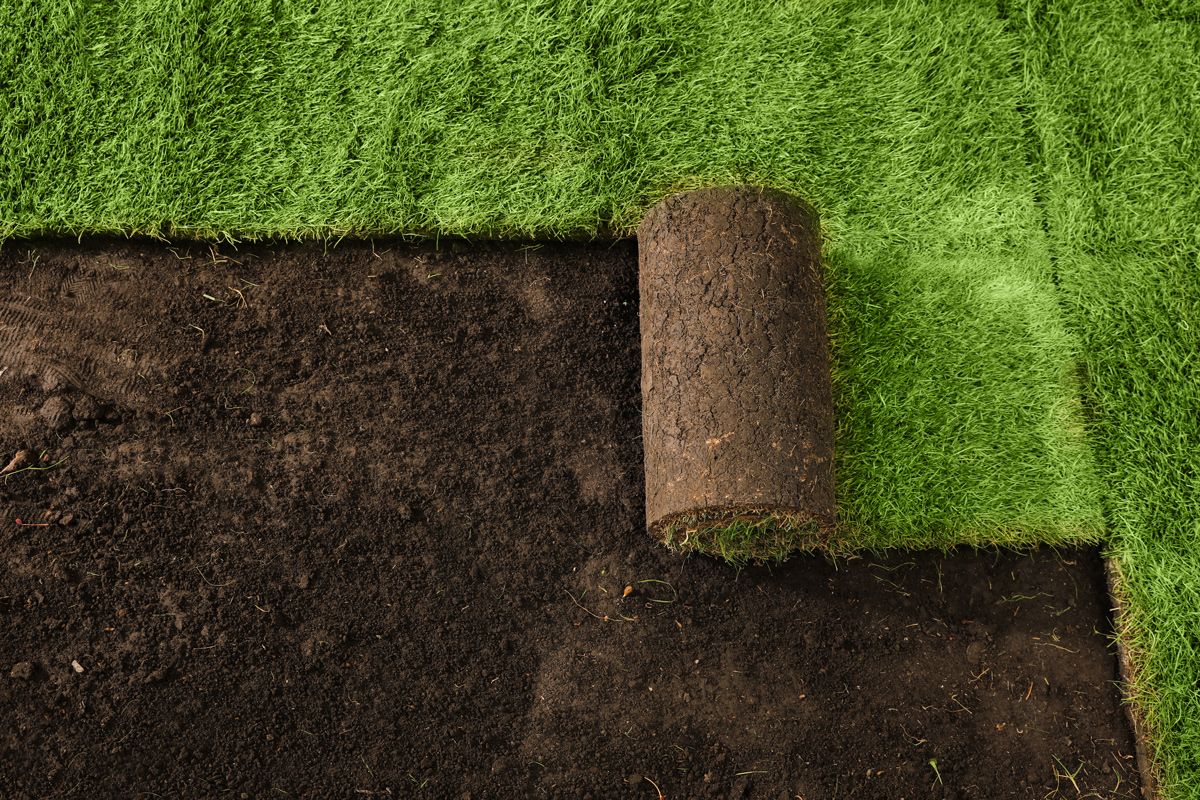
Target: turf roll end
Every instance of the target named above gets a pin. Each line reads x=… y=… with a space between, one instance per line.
x=737 y=406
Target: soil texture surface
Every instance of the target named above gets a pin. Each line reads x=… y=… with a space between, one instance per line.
x=737 y=416
x=368 y=521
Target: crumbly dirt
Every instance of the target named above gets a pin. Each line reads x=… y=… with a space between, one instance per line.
x=367 y=521
x=737 y=416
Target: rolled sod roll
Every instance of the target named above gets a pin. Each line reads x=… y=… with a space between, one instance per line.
x=737 y=406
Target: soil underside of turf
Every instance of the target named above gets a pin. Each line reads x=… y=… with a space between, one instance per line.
x=368 y=520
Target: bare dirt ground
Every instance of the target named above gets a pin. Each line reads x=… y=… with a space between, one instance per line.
x=367 y=521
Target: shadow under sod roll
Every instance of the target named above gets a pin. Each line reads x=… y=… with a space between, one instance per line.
x=737 y=406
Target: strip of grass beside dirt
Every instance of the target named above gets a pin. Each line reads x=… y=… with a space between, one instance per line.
x=1116 y=97
x=964 y=160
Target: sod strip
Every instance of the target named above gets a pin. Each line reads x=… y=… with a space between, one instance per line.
x=737 y=407
x=1148 y=768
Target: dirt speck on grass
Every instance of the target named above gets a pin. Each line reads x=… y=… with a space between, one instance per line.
x=320 y=524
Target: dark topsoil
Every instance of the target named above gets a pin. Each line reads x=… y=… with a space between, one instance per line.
x=359 y=522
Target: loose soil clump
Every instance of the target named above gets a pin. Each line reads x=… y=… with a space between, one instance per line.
x=368 y=521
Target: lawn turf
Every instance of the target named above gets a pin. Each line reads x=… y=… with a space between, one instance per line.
x=1004 y=194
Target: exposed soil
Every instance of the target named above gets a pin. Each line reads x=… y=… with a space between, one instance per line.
x=737 y=407
x=361 y=522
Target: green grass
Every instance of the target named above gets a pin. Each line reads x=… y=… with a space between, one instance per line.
x=1010 y=200
x=506 y=118
x=958 y=411
x=957 y=404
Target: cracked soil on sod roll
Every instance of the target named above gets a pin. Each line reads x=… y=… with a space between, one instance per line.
x=737 y=410
x=360 y=522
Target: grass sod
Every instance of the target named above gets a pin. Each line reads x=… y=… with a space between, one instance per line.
x=956 y=400
x=898 y=123
x=1116 y=92
x=513 y=119
x=957 y=403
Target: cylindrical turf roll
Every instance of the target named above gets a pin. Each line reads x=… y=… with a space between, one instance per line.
x=737 y=407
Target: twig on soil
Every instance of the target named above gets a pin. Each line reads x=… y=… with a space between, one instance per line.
x=218 y=258
x=18 y=461
x=34 y=467
x=203 y=336
x=897 y=588
x=241 y=297
x=916 y=742
x=1067 y=774
x=589 y=611
x=1020 y=598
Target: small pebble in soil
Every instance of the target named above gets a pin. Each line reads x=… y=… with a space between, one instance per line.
x=22 y=671
x=75 y=665
x=256 y=420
